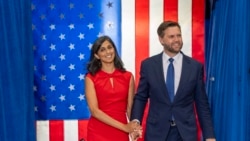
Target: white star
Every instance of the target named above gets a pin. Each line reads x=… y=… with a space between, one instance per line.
x=52 y=67
x=81 y=56
x=71 y=26
x=44 y=57
x=52 y=108
x=52 y=6
x=71 y=5
x=52 y=27
x=62 y=36
x=81 y=97
x=43 y=37
x=81 y=16
x=33 y=7
x=90 y=46
x=71 y=46
x=62 y=57
x=72 y=107
x=43 y=77
x=33 y=27
x=90 y=25
x=62 y=77
x=52 y=47
x=71 y=66
x=43 y=98
x=35 y=109
x=43 y=17
x=100 y=34
x=81 y=76
x=62 y=16
x=90 y=5
x=52 y=87
x=35 y=68
x=81 y=36
x=71 y=87
x=34 y=88
x=110 y=25
x=62 y=97
x=34 y=47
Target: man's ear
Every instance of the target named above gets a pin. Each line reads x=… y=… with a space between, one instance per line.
x=160 y=39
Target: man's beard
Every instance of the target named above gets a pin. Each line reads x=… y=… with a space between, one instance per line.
x=171 y=49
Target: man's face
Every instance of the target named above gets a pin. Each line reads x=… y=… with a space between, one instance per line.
x=172 y=40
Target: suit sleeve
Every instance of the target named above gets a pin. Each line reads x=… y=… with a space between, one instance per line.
x=141 y=97
x=202 y=106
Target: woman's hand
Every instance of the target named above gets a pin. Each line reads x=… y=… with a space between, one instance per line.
x=137 y=131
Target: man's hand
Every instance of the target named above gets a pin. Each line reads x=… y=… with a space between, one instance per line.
x=211 y=139
x=137 y=133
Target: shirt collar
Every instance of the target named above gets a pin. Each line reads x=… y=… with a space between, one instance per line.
x=176 y=57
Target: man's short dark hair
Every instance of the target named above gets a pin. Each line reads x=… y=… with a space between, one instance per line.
x=166 y=24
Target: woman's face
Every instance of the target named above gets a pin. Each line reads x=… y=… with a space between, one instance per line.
x=106 y=53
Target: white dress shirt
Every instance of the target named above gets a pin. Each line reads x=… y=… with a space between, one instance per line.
x=177 y=68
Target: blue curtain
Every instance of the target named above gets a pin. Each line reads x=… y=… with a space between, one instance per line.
x=228 y=68
x=16 y=70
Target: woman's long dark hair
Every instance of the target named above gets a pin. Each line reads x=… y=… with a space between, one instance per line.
x=95 y=64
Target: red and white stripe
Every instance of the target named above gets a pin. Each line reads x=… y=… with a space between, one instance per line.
x=61 y=130
x=140 y=19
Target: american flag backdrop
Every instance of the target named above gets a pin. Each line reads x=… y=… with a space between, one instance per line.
x=63 y=32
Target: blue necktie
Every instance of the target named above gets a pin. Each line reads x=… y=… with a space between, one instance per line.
x=170 y=79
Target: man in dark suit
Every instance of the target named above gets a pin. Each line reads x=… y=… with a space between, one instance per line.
x=172 y=117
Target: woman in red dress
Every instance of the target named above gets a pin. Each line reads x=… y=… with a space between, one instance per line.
x=109 y=90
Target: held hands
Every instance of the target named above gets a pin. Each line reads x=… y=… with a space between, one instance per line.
x=210 y=139
x=137 y=131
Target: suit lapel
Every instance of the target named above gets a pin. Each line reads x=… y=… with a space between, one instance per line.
x=158 y=68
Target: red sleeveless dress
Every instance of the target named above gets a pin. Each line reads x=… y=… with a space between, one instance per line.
x=113 y=101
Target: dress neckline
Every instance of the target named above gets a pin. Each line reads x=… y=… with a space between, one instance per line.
x=107 y=72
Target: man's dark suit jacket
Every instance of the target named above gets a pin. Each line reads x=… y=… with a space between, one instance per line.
x=191 y=90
